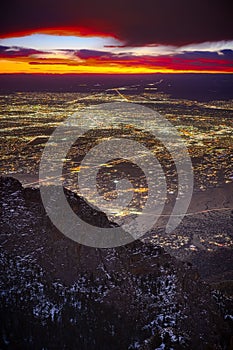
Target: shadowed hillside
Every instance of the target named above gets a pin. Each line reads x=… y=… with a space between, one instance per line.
x=57 y=294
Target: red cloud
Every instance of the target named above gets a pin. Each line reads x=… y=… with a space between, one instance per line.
x=134 y=22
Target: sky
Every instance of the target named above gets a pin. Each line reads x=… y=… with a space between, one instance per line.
x=130 y=36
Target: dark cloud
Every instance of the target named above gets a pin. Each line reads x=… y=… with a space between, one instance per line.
x=102 y=55
x=135 y=22
x=15 y=51
x=85 y=54
x=196 y=55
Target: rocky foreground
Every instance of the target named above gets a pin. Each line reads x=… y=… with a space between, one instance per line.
x=57 y=294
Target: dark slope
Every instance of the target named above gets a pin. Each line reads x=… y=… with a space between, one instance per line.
x=57 y=294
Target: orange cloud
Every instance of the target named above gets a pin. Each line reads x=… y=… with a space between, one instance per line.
x=21 y=60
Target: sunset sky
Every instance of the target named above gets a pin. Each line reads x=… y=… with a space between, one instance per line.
x=116 y=37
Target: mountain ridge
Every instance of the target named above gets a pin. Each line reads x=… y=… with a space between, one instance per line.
x=69 y=296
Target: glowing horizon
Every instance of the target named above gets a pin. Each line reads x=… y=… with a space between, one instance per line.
x=56 y=54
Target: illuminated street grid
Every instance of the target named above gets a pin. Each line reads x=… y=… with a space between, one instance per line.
x=27 y=120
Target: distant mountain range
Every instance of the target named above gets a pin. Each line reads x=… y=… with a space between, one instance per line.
x=202 y=87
